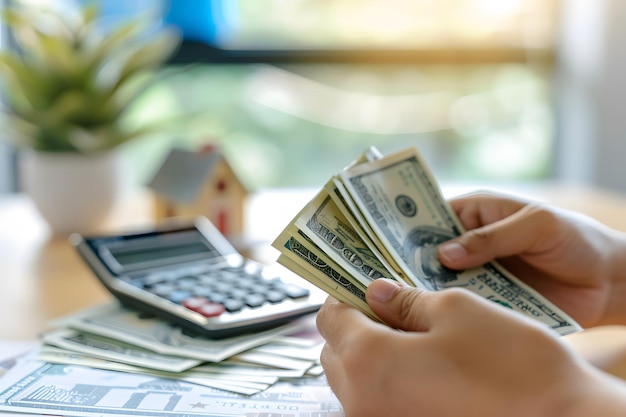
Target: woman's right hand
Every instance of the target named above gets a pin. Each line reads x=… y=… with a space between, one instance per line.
x=577 y=263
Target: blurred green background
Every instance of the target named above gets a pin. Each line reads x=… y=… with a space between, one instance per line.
x=481 y=110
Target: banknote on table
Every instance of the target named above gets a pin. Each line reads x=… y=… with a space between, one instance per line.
x=69 y=390
x=115 y=350
x=236 y=375
x=116 y=322
x=242 y=377
x=243 y=383
x=383 y=217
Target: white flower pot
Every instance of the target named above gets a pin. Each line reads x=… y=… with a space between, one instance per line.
x=73 y=192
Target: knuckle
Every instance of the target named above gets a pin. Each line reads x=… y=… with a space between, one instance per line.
x=542 y=214
x=407 y=313
x=479 y=237
x=452 y=299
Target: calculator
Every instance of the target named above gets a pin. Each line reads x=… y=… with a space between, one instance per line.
x=190 y=274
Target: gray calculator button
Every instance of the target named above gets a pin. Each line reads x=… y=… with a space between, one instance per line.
x=217 y=297
x=294 y=291
x=203 y=291
x=228 y=281
x=255 y=300
x=274 y=296
x=187 y=282
x=206 y=279
x=238 y=293
x=222 y=287
x=233 y=305
x=246 y=283
x=258 y=288
x=178 y=296
x=162 y=289
x=153 y=279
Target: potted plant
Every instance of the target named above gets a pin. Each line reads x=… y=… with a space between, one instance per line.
x=68 y=88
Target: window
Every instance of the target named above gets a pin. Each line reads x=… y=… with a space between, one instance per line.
x=294 y=90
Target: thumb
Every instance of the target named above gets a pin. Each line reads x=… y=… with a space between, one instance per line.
x=514 y=235
x=399 y=305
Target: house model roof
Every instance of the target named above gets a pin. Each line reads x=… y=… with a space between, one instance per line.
x=183 y=173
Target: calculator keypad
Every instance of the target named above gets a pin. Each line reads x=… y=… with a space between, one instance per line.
x=213 y=292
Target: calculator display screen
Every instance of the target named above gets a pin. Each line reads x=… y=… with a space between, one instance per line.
x=127 y=257
x=124 y=254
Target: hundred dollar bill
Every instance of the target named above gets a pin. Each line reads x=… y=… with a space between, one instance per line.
x=114 y=350
x=325 y=225
x=130 y=326
x=273 y=361
x=57 y=389
x=401 y=202
x=233 y=371
x=242 y=384
x=311 y=353
x=342 y=199
x=343 y=202
x=317 y=280
x=328 y=276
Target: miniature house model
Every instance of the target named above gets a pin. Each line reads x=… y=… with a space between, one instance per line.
x=190 y=184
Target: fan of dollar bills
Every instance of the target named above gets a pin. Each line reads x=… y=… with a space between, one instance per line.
x=383 y=217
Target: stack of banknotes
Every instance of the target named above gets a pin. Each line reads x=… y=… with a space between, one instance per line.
x=115 y=338
x=383 y=217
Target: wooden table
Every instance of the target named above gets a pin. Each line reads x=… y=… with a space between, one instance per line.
x=42 y=277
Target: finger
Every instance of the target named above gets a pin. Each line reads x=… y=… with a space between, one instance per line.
x=522 y=232
x=482 y=208
x=400 y=306
x=335 y=319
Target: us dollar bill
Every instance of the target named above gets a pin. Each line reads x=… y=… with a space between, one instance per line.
x=116 y=351
x=383 y=217
x=241 y=384
x=116 y=322
x=401 y=202
x=346 y=206
x=310 y=262
x=69 y=390
x=326 y=226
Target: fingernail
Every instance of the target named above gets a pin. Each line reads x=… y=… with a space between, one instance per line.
x=452 y=251
x=383 y=289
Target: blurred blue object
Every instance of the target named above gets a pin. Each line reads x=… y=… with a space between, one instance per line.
x=208 y=21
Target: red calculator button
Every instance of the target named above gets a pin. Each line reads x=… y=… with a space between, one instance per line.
x=194 y=303
x=211 y=309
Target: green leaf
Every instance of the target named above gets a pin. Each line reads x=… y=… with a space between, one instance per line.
x=100 y=48
x=90 y=13
x=72 y=84
x=153 y=53
x=59 y=56
x=25 y=85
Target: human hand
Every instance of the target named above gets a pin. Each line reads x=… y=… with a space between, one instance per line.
x=570 y=259
x=455 y=354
